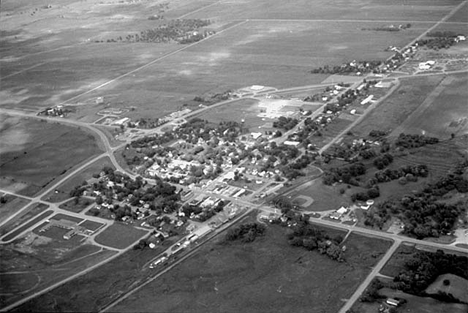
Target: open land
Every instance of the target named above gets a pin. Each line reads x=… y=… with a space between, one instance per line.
x=11 y=205
x=95 y=289
x=267 y=275
x=32 y=211
x=64 y=53
x=62 y=192
x=34 y=153
x=42 y=259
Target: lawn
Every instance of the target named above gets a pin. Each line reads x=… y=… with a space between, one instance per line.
x=267 y=275
x=34 y=153
x=120 y=236
x=11 y=206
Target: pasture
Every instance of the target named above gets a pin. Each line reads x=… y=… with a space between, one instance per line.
x=267 y=275
x=34 y=153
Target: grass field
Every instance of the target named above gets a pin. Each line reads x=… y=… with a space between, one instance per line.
x=61 y=216
x=34 y=153
x=324 y=197
x=26 y=225
x=91 y=225
x=12 y=205
x=21 y=218
x=63 y=191
x=119 y=236
x=71 y=206
x=267 y=275
x=415 y=304
x=401 y=255
x=93 y=290
x=42 y=262
x=457 y=287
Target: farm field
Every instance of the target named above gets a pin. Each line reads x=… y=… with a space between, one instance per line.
x=34 y=153
x=119 y=236
x=251 y=53
x=11 y=205
x=267 y=275
x=251 y=46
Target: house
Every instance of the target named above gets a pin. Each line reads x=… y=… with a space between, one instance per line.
x=367 y=100
x=393 y=302
x=291 y=143
x=342 y=210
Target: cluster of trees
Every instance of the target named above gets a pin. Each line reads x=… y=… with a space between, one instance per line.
x=375 y=133
x=161 y=197
x=422 y=216
x=302 y=162
x=383 y=161
x=202 y=214
x=446 y=184
x=152 y=140
x=286 y=123
x=410 y=173
x=437 y=43
x=348 y=68
x=309 y=127
x=311 y=238
x=175 y=30
x=245 y=232
x=423 y=268
x=371 y=294
x=389 y=28
x=371 y=193
x=414 y=141
x=442 y=33
x=346 y=174
x=214 y=98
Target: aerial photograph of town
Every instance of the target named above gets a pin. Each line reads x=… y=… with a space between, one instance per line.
x=234 y=156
